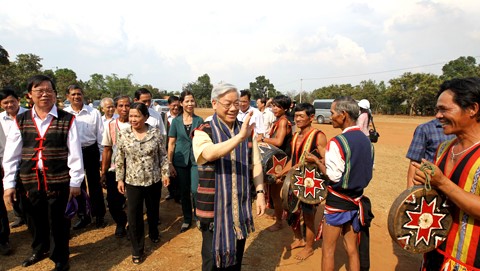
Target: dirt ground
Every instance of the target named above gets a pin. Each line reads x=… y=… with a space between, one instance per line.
x=98 y=249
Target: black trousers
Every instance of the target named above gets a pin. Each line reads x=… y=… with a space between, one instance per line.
x=4 y=227
x=115 y=201
x=136 y=196
x=184 y=182
x=45 y=217
x=208 y=260
x=91 y=163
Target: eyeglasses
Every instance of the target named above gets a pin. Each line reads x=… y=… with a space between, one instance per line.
x=40 y=92
x=227 y=106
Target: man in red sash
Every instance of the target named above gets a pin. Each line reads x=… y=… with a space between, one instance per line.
x=456 y=175
x=306 y=141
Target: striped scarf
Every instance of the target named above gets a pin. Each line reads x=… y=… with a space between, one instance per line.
x=233 y=210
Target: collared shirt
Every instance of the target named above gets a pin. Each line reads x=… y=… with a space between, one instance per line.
x=425 y=141
x=256 y=119
x=334 y=163
x=90 y=125
x=142 y=162
x=170 y=117
x=6 y=122
x=268 y=120
x=108 y=141
x=105 y=120
x=155 y=120
x=13 y=153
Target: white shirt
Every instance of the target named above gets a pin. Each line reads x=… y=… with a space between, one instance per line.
x=13 y=153
x=6 y=122
x=268 y=120
x=104 y=119
x=155 y=120
x=90 y=125
x=334 y=163
x=256 y=119
x=170 y=117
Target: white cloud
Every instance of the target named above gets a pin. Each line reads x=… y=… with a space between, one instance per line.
x=167 y=44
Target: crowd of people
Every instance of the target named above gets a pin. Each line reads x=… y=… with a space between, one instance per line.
x=53 y=159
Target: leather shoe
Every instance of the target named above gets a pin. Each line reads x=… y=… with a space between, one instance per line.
x=100 y=222
x=82 y=223
x=17 y=223
x=184 y=227
x=62 y=266
x=35 y=258
x=169 y=197
x=120 y=231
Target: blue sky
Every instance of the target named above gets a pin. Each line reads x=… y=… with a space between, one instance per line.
x=168 y=44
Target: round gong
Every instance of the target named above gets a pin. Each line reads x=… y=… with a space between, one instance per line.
x=419 y=220
x=309 y=184
x=289 y=201
x=273 y=161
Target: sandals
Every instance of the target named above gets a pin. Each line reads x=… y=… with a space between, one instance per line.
x=137 y=259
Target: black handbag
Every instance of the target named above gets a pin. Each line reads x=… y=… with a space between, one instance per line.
x=373 y=134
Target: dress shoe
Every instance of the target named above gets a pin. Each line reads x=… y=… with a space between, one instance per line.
x=35 y=258
x=17 y=223
x=184 y=227
x=120 y=231
x=62 y=266
x=5 y=249
x=100 y=222
x=169 y=197
x=82 y=223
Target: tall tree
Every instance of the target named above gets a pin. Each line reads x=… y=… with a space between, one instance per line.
x=460 y=68
x=261 y=87
x=64 y=78
x=4 y=56
x=201 y=89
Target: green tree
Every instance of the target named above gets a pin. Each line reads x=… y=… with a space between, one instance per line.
x=24 y=67
x=333 y=91
x=64 y=78
x=201 y=89
x=460 y=68
x=262 y=86
x=4 y=56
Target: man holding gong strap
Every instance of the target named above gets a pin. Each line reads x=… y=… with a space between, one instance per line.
x=456 y=174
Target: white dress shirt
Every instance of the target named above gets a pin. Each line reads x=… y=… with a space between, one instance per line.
x=6 y=122
x=256 y=119
x=155 y=120
x=13 y=153
x=104 y=119
x=90 y=125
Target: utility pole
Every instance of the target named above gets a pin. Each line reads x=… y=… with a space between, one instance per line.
x=301 y=89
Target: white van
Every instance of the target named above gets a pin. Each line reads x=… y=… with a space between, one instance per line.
x=322 y=110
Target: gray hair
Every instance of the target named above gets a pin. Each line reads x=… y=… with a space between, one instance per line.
x=349 y=105
x=104 y=100
x=221 y=89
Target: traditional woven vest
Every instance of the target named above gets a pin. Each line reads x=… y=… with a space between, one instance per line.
x=206 y=184
x=54 y=151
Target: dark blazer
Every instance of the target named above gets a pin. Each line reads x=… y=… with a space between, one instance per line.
x=183 y=146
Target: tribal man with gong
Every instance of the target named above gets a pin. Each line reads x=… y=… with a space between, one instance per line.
x=456 y=174
x=307 y=140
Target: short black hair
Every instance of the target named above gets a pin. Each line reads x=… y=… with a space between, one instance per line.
x=246 y=92
x=307 y=107
x=466 y=92
x=141 y=107
x=172 y=99
x=141 y=91
x=282 y=101
x=7 y=92
x=74 y=86
x=37 y=79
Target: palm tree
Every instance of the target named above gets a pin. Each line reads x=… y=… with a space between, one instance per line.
x=4 y=56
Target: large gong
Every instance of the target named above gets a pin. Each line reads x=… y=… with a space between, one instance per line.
x=273 y=161
x=419 y=220
x=308 y=184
